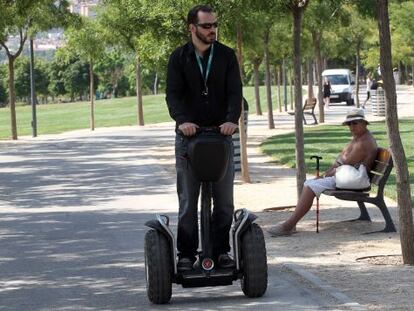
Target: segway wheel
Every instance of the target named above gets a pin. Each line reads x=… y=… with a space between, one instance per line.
x=254 y=262
x=158 y=267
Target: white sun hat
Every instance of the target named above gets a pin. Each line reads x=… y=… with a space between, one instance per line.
x=355 y=114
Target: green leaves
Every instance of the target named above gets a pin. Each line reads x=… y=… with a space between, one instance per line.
x=85 y=40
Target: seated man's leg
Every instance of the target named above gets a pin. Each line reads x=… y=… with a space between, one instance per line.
x=303 y=206
x=312 y=188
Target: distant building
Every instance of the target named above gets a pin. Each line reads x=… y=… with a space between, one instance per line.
x=84 y=7
x=53 y=38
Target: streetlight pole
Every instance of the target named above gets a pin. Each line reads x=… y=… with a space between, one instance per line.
x=32 y=90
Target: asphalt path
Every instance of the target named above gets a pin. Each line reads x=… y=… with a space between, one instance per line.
x=72 y=214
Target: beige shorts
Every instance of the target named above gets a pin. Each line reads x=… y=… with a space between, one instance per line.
x=319 y=185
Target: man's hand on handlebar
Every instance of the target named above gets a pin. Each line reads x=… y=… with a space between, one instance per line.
x=188 y=128
x=228 y=128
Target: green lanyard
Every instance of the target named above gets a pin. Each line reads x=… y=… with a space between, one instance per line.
x=200 y=64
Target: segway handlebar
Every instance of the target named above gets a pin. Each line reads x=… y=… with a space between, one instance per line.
x=203 y=129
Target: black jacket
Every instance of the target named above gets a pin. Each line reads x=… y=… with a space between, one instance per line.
x=185 y=85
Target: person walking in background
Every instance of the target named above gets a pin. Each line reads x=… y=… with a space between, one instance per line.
x=203 y=89
x=369 y=85
x=327 y=90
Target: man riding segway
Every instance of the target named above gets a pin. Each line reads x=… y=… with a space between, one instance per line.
x=204 y=96
x=203 y=89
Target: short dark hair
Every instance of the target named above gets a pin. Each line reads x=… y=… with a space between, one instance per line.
x=192 y=17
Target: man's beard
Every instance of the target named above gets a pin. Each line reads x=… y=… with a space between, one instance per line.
x=206 y=39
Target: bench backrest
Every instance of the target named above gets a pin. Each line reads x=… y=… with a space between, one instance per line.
x=382 y=168
x=309 y=105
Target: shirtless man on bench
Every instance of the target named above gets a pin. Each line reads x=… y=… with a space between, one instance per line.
x=362 y=149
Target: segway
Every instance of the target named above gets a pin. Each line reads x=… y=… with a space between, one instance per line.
x=208 y=153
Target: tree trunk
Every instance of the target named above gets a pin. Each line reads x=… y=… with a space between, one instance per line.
x=300 y=155
x=403 y=73
x=155 y=91
x=412 y=75
x=243 y=139
x=284 y=78
x=278 y=76
x=357 y=60
x=91 y=95
x=33 y=100
x=291 y=89
x=270 y=120
x=316 y=37
x=140 y=110
x=12 y=98
x=256 y=64
x=397 y=149
x=305 y=79
x=310 y=80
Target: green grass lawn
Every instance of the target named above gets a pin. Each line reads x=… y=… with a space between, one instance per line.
x=58 y=118
x=329 y=140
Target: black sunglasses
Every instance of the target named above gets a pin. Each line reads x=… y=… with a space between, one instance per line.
x=353 y=123
x=208 y=25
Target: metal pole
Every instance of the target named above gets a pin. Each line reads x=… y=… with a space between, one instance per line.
x=32 y=90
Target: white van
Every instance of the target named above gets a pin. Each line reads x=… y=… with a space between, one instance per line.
x=342 y=84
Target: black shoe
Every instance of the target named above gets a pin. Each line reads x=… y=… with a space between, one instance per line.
x=225 y=261
x=185 y=264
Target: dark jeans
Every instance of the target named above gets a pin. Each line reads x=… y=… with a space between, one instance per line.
x=188 y=189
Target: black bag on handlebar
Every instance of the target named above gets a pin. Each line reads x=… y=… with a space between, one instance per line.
x=209 y=154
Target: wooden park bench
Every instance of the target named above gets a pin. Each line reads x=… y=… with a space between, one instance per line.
x=378 y=177
x=309 y=109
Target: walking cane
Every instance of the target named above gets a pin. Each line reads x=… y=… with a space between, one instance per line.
x=317 y=198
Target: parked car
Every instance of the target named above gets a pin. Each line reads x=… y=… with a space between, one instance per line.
x=342 y=84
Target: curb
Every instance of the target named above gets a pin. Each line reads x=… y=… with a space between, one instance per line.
x=332 y=291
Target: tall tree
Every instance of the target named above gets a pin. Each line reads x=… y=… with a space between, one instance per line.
x=268 y=78
x=85 y=40
x=21 y=19
x=402 y=15
x=280 y=49
x=397 y=149
x=321 y=15
x=124 y=22
x=297 y=8
x=256 y=60
x=254 y=54
x=22 y=78
x=355 y=39
x=110 y=69
x=269 y=12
